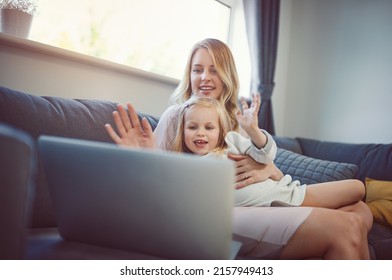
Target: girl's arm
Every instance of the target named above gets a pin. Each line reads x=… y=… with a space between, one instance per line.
x=248 y=121
x=264 y=147
x=250 y=171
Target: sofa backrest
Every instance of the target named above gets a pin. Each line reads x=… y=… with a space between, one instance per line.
x=373 y=160
x=73 y=118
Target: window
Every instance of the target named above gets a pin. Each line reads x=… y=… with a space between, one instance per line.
x=152 y=35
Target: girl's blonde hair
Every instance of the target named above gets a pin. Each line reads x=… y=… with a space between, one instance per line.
x=202 y=102
x=225 y=66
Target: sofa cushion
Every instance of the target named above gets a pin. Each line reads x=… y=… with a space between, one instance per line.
x=310 y=170
x=287 y=143
x=379 y=200
x=74 y=118
x=373 y=160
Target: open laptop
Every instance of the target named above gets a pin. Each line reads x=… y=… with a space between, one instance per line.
x=157 y=203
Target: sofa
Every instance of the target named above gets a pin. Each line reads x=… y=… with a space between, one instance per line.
x=29 y=229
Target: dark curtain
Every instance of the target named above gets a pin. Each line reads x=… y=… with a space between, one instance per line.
x=262 y=26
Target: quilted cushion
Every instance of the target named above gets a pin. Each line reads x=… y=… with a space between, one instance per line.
x=310 y=170
x=373 y=160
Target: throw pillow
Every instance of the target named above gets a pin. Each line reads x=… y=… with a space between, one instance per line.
x=379 y=200
x=310 y=170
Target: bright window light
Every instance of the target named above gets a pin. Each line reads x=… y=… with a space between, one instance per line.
x=152 y=35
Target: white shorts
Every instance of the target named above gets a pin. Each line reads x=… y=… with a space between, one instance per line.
x=264 y=231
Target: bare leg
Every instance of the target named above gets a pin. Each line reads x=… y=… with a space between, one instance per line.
x=329 y=234
x=334 y=194
x=361 y=209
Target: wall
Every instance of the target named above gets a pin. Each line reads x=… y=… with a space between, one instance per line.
x=44 y=70
x=334 y=70
x=332 y=77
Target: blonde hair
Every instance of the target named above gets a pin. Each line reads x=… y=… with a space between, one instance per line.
x=202 y=102
x=225 y=66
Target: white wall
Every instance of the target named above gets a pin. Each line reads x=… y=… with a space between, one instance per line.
x=334 y=70
x=43 y=70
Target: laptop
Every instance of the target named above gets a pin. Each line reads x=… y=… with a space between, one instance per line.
x=153 y=202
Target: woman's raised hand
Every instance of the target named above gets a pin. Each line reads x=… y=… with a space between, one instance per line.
x=132 y=133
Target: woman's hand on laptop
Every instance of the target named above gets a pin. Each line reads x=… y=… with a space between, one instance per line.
x=131 y=132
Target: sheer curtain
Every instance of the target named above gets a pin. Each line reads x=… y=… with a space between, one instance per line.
x=262 y=26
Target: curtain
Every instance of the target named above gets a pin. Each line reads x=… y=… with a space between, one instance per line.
x=262 y=26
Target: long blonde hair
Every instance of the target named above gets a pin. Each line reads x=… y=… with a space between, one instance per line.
x=202 y=102
x=224 y=64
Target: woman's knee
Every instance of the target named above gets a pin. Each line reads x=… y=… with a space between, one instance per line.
x=354 y=226
x=357 y=187
x=363 y=212
x=329 y=234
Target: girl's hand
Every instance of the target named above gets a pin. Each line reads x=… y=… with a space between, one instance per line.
x=249 y=171
x=248 y=118
x=132 y=133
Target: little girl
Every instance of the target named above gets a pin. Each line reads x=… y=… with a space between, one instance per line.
x=203 y=129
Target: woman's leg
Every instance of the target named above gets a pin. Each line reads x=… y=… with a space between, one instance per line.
x=343 y=195
x=361 y=209
x=334 y=194
x=329 y=234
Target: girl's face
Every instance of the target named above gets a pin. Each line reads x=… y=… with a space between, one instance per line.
x=205 y=81
x=201 y=130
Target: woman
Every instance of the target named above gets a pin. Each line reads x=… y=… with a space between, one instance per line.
x=271 y=233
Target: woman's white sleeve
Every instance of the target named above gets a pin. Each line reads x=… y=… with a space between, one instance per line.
x=165 y=132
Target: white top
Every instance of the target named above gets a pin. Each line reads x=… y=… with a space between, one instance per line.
x=165 y=132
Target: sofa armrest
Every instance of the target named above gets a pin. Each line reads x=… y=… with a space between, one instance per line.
x=17 y=169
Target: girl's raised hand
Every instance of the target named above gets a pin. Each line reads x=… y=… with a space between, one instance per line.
x=248 y=118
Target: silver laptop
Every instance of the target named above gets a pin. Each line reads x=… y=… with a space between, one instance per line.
x=157 y=203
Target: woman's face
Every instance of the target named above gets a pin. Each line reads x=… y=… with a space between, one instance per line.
x=201 y=130
x=205 y=81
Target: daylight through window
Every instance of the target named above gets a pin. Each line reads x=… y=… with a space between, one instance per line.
x=152 y=35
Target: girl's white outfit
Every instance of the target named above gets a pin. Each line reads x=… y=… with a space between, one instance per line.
x=263 y=231
x=263 y=193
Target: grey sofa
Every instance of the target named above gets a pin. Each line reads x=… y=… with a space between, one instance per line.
x=29 y=229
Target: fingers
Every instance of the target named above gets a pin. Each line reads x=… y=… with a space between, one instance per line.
x=135 y=123
x=236 y=157
x=244 y=104
x=240 y=161
x=147 y=127
x=244 y=183
x=126 y=121
x=124 y=118
x=256 y=99
x=112 y=134
x=255 y=105
x=119 y=124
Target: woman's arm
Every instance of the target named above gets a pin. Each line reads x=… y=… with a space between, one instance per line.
x=165 y=132
x=249 y=171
